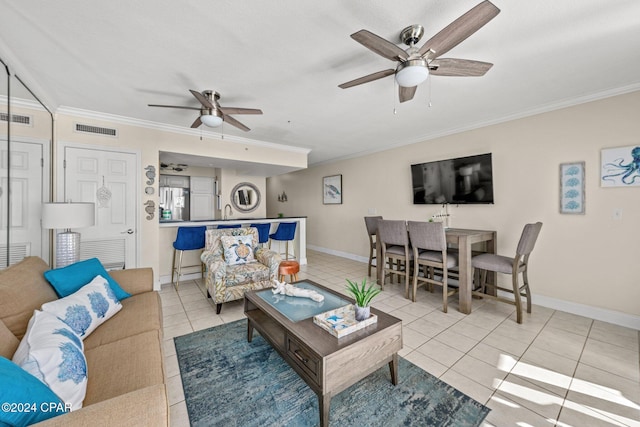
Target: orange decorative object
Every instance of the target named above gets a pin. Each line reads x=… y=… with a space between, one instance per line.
x=288 y=268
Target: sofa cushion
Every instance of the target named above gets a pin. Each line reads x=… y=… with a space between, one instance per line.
x=140 y=313
x=123 y=366
x=238 y=249
x=8 y=342
x=53 y=353
x=246 y=273
x=69 y=279
x=22 y=290
x=87 y=308
x=20 y=387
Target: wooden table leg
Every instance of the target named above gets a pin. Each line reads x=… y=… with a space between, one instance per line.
x=393 y=367
x=324 y=402
x=465 y=279
x=249 y=330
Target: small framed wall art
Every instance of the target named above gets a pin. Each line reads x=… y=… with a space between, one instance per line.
x=620 y=167
x=572 y=188
x=332 y=190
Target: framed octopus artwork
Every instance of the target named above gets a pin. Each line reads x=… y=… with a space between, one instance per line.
x=572 y=188
x=620 y=167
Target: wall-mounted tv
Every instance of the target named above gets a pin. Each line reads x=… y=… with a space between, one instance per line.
x=463 y=180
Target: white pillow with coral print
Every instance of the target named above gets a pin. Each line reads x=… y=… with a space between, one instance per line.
x=87 y=308
x=53 y=353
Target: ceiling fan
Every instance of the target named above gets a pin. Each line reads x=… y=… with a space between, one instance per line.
x=211 y=113
x=415 y=64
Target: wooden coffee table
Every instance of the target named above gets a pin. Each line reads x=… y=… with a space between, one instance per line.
x=327 y=364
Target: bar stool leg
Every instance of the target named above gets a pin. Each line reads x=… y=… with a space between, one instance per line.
x=177 y=283
x=173 y=265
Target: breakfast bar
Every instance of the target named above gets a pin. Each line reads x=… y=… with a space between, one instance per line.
x=168 y=230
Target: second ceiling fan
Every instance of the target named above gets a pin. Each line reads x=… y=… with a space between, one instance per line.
x=211 y=113
x=415 y=64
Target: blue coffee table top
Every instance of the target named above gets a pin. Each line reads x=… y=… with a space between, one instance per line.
x=297 y=308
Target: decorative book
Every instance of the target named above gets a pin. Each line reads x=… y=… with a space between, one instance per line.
x=342 y=321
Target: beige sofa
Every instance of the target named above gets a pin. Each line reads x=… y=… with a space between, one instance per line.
x=125 y=363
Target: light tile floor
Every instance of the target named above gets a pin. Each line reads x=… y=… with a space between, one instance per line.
x=556 y=369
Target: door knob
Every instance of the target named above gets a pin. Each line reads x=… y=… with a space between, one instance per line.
x=129 y=231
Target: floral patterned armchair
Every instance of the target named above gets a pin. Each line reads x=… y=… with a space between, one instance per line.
x=227 y=282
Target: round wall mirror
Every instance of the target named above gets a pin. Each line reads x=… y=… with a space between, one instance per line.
x=245 y=197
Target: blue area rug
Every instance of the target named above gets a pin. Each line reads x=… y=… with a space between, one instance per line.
x=230 y=382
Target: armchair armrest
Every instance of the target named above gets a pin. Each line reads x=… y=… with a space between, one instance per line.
x=271 y=259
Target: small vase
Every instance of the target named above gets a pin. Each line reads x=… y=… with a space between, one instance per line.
x=362 y=313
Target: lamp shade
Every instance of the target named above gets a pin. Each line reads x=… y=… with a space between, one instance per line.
x=211 y=120
x=68 y=215
x=412 y=74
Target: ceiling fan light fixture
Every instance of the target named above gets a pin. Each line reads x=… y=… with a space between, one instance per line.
x=211 y=120
x=411 y=73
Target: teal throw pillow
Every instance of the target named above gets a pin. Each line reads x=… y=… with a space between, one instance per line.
x=69 y=279
x=25 y=399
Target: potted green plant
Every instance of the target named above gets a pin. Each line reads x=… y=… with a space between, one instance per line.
x=363 y=295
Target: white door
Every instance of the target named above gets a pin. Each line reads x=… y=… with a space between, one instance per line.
x=108 y=179
x=29 y=183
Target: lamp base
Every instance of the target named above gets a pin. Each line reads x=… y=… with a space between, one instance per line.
x=67 y=248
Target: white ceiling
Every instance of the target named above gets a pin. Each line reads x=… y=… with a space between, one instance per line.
x=288 y=57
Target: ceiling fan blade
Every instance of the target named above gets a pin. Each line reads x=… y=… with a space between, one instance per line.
x=367 y=79
x=407 y=93
x=458 y=67
x=174 y=106
x=197 y=123
x=234 y=122
x=203 y=100
x=456 y=32
x=235 y=110
x=379 y=45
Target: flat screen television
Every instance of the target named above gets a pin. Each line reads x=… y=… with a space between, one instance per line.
x=463 y=180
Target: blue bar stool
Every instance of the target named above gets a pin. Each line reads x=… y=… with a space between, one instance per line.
x=286 y=231
x=229 y=226
x=263 y=232
x=188 y=239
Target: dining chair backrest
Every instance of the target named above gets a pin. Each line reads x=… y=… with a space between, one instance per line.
x=427 y=235
x=393 y=232
x=528 y=239
x=371 y=223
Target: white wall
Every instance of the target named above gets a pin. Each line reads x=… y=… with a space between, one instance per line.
x=149 y=141
x=587 y=260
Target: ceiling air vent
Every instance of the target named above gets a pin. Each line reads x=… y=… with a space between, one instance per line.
x=16 y=118
x=96 y=130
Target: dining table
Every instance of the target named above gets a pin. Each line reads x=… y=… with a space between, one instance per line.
x=464 y=239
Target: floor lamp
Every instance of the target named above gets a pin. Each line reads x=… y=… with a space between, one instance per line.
x=67 y=216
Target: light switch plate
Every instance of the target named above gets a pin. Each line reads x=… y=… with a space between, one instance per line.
x=372 y=211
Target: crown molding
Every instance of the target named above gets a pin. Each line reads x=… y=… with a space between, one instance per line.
x=113 y=118
x=546 y=108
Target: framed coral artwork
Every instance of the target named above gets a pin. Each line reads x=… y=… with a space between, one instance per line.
x=332 y=190
x=572 y=188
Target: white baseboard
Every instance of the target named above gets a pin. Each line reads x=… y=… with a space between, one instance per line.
x=191 y=276
x=596 y=313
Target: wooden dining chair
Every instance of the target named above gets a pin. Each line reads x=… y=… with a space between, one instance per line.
x=371 y=222
x=394 y=246
x=429 y=245
x=506 y=265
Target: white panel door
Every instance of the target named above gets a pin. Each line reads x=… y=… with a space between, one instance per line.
x=27 y=185
x=108 y=179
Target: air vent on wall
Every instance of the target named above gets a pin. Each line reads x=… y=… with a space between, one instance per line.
x=96 y=130
x=16 y=118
